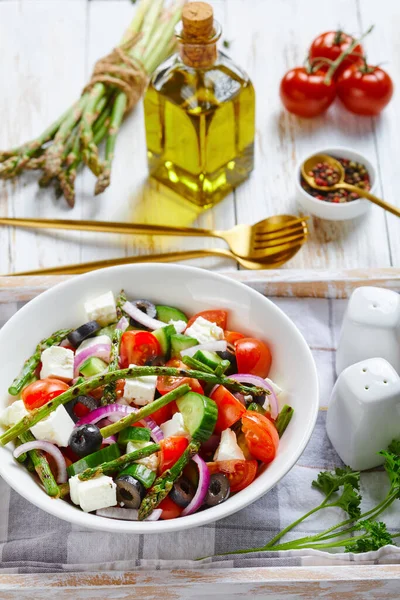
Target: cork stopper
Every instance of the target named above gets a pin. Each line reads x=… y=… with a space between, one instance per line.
x=198 y=20
x=199 y=48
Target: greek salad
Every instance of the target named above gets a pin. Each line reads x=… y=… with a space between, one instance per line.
x=142 y=413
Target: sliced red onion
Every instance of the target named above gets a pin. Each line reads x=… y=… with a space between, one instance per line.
x=156 y=432
x=122 y=324
x=217 y=346
x=260 y=382
x=51 y=449
x=240 y=397
x=105 y=411
x=202 y=488
x=142 y=317
x=126 y=514
x=99 y=350
x=110 y=440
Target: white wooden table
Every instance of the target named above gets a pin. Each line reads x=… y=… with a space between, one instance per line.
x=48 y=48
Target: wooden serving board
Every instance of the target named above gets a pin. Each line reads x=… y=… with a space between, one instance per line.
x=280 y=583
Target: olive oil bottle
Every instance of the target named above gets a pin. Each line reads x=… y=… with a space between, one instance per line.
x=199 y=115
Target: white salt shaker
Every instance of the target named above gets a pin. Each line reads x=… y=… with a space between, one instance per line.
x=371 y=327
x=364 y=412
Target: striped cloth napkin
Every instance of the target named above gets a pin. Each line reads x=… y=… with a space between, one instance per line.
x=32 y=541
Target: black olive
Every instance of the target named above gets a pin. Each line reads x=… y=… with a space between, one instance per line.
x=259 y=399
x=85 y=440
x=182 y=492
x=87 y=401
x=130 y=492
x=76 y=337
x=146 y=307
x=218 y=490
x=158 y=361
x=228 y=355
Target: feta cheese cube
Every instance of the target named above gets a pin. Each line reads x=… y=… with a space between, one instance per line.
x=56 y=428
x=180 y=326
x=151 y=462
x=102 y=309
x=57 y=362
x=228 y=448
x=141 y=389
x=99 y=339
x=13 y=413
x=96 y=493
x=275 y=388
x=204 y=331
x=174 y=426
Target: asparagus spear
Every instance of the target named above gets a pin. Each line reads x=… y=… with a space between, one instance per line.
x=31 y=363
x=83 y=388
x=42 y=466
x=120 y=301
x=111 y=466
x=109 y=395
x=163 y=484
x=284 y=419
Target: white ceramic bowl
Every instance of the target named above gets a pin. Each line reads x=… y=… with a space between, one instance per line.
x=328 y=210
x=191 y=290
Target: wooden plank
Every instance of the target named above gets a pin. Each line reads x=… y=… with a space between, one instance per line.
x=383 y=48
x=287 y=282
x=267 y=49
x=42 y=69
x=285 y=583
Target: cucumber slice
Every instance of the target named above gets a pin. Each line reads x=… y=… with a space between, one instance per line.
x=109 y=330
x=199 y=415
x=169 y=313
x=181 y=342
x=164 y=335
x=256 y=407
x=211 y=359
x=134 y=434
x=141 y=473
x=93 y=366
x=111 y=452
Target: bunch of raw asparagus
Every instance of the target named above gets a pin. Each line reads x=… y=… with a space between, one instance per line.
x=75 y=137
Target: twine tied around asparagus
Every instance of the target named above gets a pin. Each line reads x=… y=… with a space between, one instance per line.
x=121 y=70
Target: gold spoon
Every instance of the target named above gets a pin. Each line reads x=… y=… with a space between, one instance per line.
x=309 y=164
x=273 y=261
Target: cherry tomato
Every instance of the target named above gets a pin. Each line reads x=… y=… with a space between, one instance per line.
x=172 y=448
x=167 y=384
x=163 y=414
x=232 y=336
x=98 y=392
x=331 y=44
x=305 y=94
x=40 y=392
x=219 y=317
x=170 y=510
x=137 y=347
x=261 y=436
x=230 y=409
x=365 y=90
x=253 y=356
x=240 y=473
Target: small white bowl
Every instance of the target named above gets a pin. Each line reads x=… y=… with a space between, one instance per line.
x=192 y=290
x=328 y=210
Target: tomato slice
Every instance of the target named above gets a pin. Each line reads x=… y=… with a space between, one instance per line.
x=253 y=356
x=240 y=473
x=163 y=414
x=172 y=448
x=167 y=384
x=137 y=347
x=261 y=436
x=233 y=336
x=230 y=409
x=219 y=317
x=40 y=392
x=170 y=510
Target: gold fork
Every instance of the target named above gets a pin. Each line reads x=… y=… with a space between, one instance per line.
x=275 y=260
x=253 y=242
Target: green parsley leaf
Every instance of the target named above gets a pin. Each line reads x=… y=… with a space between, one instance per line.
x=329 y=482
x=376 y=536
x=349 y=501
x=226 y=44
x=392 y=468
x=394 y=447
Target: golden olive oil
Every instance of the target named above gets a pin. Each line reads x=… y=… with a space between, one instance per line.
x=200 y=122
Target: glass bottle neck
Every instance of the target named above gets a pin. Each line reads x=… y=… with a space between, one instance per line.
x=199 y=53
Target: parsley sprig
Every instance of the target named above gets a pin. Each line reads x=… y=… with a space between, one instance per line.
x=361 y=531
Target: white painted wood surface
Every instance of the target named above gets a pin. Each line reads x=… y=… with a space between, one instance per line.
x=48 y=48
